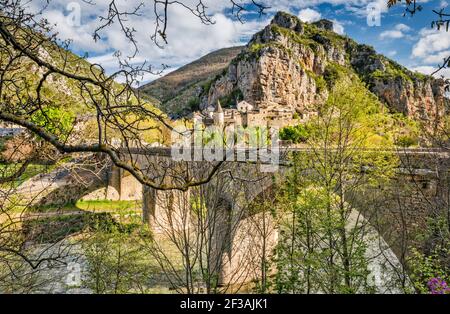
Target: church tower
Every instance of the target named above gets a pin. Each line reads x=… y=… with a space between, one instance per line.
x=219 y=118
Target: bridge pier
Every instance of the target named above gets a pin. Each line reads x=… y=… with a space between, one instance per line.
x=220 y=227
x=114 y=181
x=122 y=186
x=247 y=249
x=165 y=211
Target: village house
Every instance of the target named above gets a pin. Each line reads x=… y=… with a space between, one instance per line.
x=247 y=115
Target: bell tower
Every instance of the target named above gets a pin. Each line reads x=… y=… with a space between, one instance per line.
x=219 y=118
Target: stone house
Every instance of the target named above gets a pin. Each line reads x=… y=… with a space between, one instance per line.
x=247 y=115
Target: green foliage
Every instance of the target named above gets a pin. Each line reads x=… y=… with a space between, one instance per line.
x=199 y=207
x=254 y=51
x=425 y=267
x=393 y=71
x=107 y=205
x=229 y=101
x=194 y=104
x=3 y=141
x=321 y=248
x=254 y=48
x=313 y=37
x=421 y=76
x=388 y=75
x=313 y=220
x=326 y=37
x=56 y=228
x=351 y=120
x=400 y=70
x=303 y=40
x=406 y=141
x=207 y=87
x=54 y=120
x=321 y=83
x=8 y=169
x=332 y=74
x=297 y=134
x=431 y=260
x=116 y=263
x=377 y=128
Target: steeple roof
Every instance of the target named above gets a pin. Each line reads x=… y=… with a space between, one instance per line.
x=218 y=107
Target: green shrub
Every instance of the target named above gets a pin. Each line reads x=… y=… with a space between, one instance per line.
x=207 y=86
x=55 y=120
x=194 y=104
x=321 y=84
x=230 y=100
x=406 y=141
x=3 y=141
x=297 y=134
x=331 y=75
x=254 y=48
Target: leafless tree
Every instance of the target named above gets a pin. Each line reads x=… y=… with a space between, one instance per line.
x=29 y=41
x=210 y=239
x=32 y=58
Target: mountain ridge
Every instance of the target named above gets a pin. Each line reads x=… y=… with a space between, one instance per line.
x=207 y=67
x=291 y=63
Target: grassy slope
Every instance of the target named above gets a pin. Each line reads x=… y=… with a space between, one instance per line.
x=208 y=66
x=180 y=85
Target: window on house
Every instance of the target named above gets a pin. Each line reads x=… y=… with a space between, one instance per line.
x=425 y=185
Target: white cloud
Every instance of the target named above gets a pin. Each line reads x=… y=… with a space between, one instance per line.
x=399 y=31
x=392 y=53
x=431 y=42
x=436 y=58
x=81 y=36
x=432 y=47
x=188 y=38
x=309 y=15
x=338 y=27
x=358 y=7
x=430 y=69
x=391 y=34
x=402 y=27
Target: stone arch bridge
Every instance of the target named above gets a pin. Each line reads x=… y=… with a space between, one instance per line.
x=239 y=233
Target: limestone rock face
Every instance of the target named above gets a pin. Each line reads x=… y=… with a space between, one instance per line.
x=272 y=78
x=324 y=24
x=288 y=21
x=284 y=67
x=280 y=72
x=423 y=100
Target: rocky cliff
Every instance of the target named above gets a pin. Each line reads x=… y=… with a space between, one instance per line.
x=292 y=64
x=413 y=94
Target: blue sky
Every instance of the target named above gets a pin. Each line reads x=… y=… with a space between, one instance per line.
x=399 y=37
x=408 y=40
